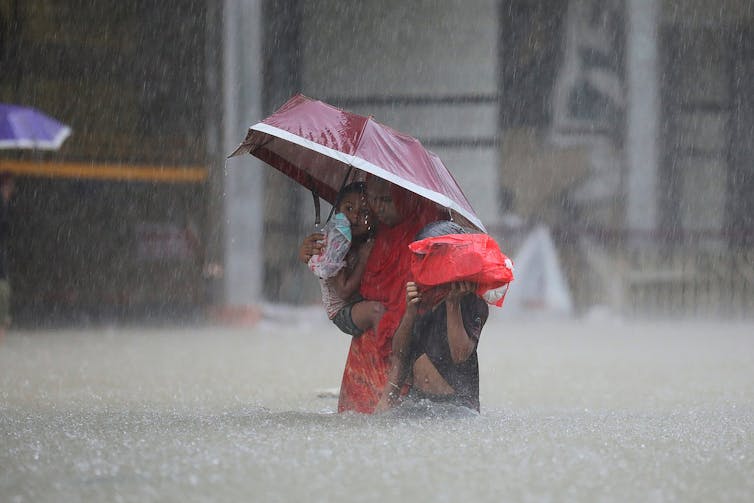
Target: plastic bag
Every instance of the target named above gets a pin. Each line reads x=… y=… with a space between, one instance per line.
x=462 y=257
x=337 y=243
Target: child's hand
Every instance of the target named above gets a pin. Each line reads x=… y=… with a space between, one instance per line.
x=458 y=289
x=312 y=245
x=413 y=297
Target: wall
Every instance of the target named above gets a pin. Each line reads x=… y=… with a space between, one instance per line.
x=439 y=55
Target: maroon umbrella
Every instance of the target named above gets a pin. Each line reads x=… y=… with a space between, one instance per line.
x=319 y=145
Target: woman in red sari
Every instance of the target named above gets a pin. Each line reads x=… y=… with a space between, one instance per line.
x=400 y=214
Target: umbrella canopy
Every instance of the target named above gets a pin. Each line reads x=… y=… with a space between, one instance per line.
x=28 y=128
x=317 y=144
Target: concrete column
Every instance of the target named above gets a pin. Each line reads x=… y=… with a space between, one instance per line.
x=643 y=116
x=243 y=196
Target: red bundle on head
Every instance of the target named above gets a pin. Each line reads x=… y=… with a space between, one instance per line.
x=461 y=257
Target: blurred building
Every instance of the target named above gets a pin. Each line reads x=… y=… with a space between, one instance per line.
x=625 y=126
x=112 y=226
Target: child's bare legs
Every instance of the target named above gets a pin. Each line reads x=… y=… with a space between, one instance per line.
x=367 y=314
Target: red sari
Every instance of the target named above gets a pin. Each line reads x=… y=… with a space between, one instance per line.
x=384 y=280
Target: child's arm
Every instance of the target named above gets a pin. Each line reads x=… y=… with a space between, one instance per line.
x=400 y=348
x=461 y=344
x=348 y=284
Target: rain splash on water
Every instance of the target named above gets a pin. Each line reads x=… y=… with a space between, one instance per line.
x=570 y=412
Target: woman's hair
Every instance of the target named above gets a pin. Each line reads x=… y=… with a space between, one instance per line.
x=440 y=228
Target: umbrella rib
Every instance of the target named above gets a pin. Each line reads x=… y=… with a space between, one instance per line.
x=263 y=144
x=357 y=143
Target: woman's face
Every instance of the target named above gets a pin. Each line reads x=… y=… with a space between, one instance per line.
x=380 y=197
x=354 y=206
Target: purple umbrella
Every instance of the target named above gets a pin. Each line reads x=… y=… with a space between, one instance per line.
x=28 y=128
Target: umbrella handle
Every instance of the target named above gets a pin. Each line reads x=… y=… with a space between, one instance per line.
x=315 y=196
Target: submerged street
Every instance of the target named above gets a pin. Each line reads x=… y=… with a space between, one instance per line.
x=571 y=411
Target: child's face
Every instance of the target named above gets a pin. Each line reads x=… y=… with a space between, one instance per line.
x=355 y=208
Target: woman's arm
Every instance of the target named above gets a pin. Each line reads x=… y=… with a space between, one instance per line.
x=399 y=355
x=461 y=344
x=347 y=284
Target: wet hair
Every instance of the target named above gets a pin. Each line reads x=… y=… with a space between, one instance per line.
x=440 y=228
x=354 y=188
x=351 y=188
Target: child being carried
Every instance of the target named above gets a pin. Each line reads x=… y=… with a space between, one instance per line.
x=343 y=261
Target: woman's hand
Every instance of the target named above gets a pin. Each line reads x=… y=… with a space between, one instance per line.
x=312 y=245
x=413 y=298
x=458 y=289
x=365 y=249
x=384 y=404
x=389 y=398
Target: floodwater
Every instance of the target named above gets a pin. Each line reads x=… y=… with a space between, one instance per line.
x=598 y=411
